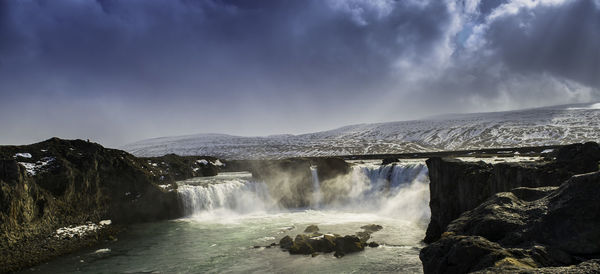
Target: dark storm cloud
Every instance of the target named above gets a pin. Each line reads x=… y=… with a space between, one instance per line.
x=126 y=70
x=520 y=54
x=562 y=40
x=186 y=45
x=487 y=6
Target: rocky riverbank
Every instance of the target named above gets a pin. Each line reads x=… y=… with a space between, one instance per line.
x=57 y=184
x=516 y=217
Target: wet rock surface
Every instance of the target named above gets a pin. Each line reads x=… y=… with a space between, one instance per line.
x=311 y=229
x=314 y=243
x=371 y=228
x=533 y=229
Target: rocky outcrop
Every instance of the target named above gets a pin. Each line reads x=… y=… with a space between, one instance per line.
x=389 y=160
x=520 y=217
x=548 y=229
x=311 y=229
x=365 y=235
x=175 y=168
x=330 y=167
x=457 y=186
x=290 y=181
x=314 y=242
x=58 y=183
x=587 y=267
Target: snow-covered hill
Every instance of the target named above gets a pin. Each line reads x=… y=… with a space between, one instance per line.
x=542 y=126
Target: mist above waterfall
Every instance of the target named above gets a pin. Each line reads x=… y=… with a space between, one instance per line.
x=399 y=190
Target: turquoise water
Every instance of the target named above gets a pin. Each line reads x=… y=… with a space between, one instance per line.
x=229 y=215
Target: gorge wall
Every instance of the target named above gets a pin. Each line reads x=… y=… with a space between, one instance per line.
x=516 y=217
x=458 y=186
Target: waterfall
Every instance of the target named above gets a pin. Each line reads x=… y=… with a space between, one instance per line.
x=394 y=175
x=398 y=189
x=316 y=196
x=234 y=193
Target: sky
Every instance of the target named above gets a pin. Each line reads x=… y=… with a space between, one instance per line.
x=119 y=71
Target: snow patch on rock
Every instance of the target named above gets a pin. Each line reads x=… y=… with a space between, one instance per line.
x=202 y=162
x=102 y=250
x=218 y=163
x=105 y=222
x=23 y=155
x=80 y=230
x=37 y=167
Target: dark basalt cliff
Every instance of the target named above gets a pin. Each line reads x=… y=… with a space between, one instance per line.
x=458 y=186
x=58 y=183
x=497 y=225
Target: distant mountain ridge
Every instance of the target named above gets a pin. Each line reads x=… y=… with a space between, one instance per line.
x=554 y=125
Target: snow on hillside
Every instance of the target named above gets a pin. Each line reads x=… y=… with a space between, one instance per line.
x=531 y=127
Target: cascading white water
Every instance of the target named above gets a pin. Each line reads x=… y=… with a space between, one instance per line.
x=229 y=193
x=399 y=189
x=316 y=196
x=392 y=175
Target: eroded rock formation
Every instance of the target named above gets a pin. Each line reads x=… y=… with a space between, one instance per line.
x=542 y=227
x=458 y=186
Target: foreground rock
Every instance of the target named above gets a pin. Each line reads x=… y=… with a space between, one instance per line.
x=556 y=229
x=372 y=228
x=58 y=183
x=311 y=229
x=457 y=186
x=312 y=244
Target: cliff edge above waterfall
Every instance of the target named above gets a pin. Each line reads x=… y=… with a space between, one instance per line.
x=457 y=186
x=515 y=217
